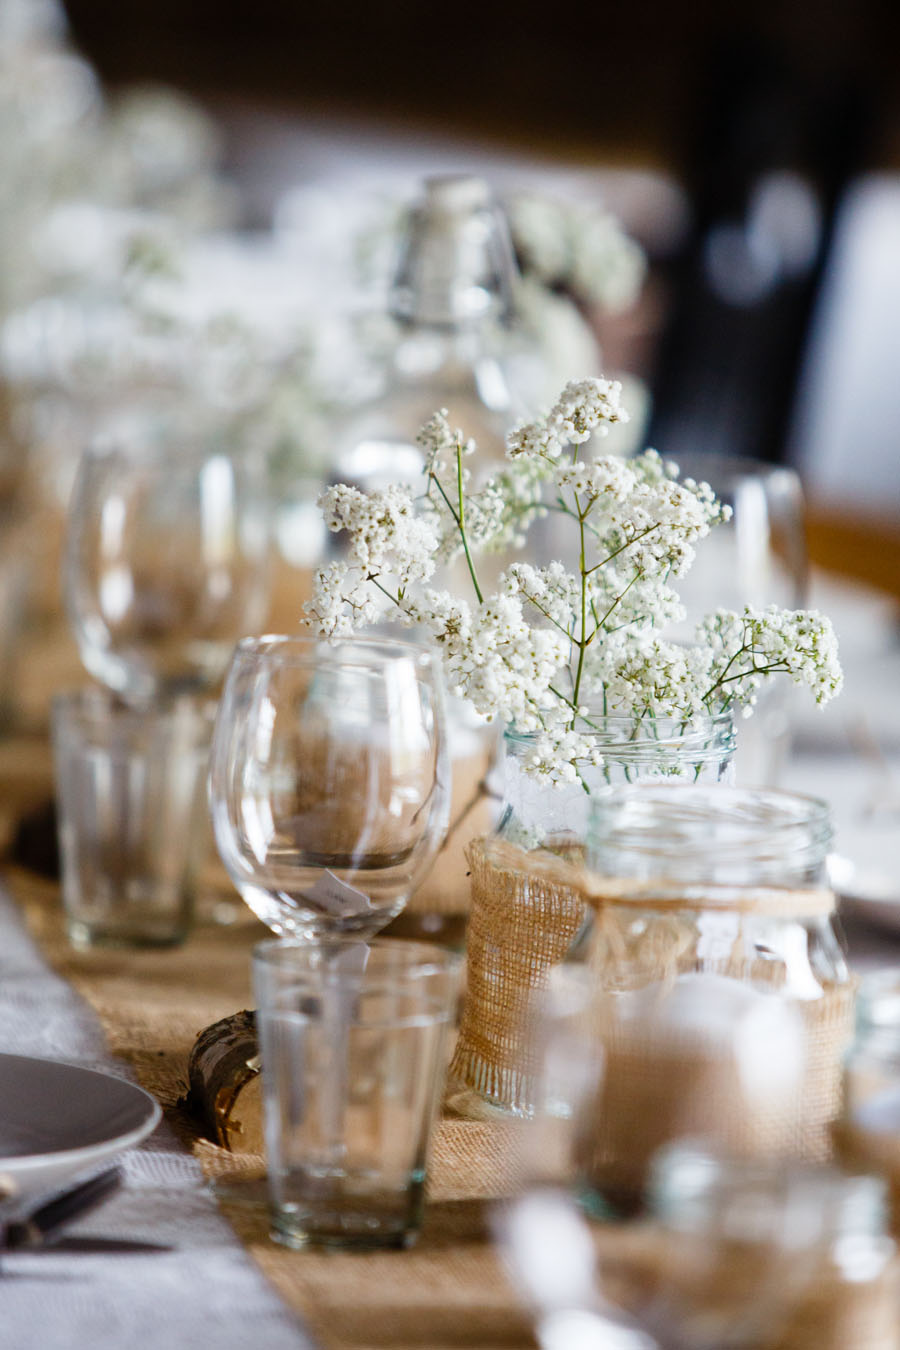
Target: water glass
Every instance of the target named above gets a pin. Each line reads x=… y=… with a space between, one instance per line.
x=352 y=1037
x=761 y=1254
x=131 y=799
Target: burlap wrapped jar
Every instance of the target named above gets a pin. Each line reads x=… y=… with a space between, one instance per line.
x=708 y=892
x=526 y=909
x=712 y=946
x=867 y=1137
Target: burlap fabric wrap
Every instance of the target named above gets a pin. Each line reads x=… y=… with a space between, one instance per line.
x=527 y=909
x=524 y=916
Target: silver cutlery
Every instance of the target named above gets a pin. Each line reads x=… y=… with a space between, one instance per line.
x=44 y=1224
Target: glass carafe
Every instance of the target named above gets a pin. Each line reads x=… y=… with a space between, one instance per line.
x=451 y=303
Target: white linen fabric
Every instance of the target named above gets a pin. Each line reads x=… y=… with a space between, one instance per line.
x=194 y=1286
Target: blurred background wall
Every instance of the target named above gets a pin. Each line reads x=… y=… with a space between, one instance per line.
x=769 y=327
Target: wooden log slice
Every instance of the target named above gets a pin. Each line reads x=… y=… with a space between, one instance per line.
x=224 y=1083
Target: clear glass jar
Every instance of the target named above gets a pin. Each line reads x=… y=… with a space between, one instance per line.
x=724 y=1000
x=522 y=921
x=868 y=1134
x=771 y=1255
x=537 y=815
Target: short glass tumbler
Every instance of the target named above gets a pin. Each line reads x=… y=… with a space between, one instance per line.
x=131 y=801
x=353 y=1044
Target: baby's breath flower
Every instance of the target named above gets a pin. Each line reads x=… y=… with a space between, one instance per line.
x=549 y=642
x=585 y=406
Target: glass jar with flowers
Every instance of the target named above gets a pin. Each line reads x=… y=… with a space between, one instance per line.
x=571 y=655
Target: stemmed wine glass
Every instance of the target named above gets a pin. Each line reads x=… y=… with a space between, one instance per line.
x=167 y=552
x=329 y=779
x=757 y=558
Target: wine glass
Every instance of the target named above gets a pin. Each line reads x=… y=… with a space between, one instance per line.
x=167 y=552
x=329 y=779
x=759 y=558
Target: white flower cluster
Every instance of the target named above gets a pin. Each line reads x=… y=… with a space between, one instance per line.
x=385 y=534
x=583 y=407
x=577 y=247
x=744 y=648
x=551 y=644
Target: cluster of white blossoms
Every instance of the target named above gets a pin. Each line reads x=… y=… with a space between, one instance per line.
x=580 y=247
x=584 y=407
x=554 y=644
x=742 y=649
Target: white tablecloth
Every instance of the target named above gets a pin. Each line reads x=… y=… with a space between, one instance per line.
x=202 y=1292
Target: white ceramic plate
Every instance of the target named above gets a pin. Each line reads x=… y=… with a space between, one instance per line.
x=57 y=1120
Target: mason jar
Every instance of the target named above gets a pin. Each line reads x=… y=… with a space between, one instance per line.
x=525 y=913
x=535 y=814
x=724 y=1002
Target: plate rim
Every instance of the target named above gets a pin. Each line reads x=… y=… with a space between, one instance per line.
x=12 y=1163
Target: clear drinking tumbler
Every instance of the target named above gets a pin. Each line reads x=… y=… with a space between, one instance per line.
x=131 y=800
x=352 y=1037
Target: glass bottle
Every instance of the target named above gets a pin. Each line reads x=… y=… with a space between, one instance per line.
x=451 y=302
x=455 y=342
x=711 y=922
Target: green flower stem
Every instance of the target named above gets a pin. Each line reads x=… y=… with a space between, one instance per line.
x=779 y=668
x=618 y=600
x=394 y=599
x=582 y=642
x=461 y=524
x=547 y=615
x=450 y=507
x=615 y=553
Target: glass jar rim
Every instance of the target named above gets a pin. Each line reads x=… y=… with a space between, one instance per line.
x=94 y=706
x=693 y=1187
x=703 y=736
x=692 y=724
x=646 y=809
x=878 y=1000
x=679 y=834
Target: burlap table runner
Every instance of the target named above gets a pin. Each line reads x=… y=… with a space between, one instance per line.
x=448 y=1292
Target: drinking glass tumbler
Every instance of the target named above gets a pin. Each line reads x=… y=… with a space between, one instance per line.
x=353 y=1045
x=131 y=798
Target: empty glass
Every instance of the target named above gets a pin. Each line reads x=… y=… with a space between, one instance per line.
x=329 y=779
x=130 y=788
x=757 y=558
x=762 y=1255
x=166 y=562
x=352 y=1040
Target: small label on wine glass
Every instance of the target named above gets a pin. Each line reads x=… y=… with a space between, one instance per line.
x=337 y=897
